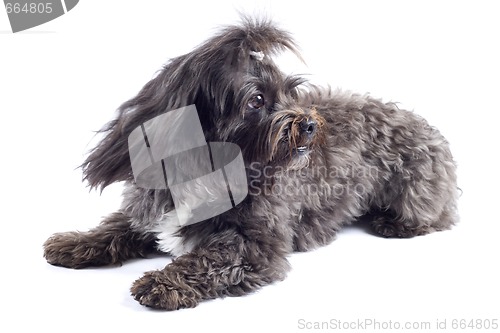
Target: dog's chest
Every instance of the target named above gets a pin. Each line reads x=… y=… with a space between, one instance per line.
x=168 y=236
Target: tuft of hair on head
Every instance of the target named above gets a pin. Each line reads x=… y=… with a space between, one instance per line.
x=259 y=38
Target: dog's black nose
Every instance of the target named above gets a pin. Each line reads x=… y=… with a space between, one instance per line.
x=308 y=126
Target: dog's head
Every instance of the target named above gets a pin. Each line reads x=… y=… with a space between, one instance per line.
x=241 y=97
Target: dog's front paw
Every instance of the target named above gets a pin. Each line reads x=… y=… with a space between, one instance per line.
x=156 y=290
x=65 y=249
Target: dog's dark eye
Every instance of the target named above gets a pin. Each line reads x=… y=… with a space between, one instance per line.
x=256 y=102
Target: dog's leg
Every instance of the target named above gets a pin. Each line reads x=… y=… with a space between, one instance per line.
x=420 y=208
x=112 y=242
x=228 y=265
x=387 y=223
x=314 y=230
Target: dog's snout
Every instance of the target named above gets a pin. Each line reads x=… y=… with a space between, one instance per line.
x=308 y=126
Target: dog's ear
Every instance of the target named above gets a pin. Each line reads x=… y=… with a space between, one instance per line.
x=204 y=77
x=109 y=161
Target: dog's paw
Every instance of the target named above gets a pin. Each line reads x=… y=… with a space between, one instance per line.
x=385 y=229
x=74 y=250
x=396 y=229
x=157 y=291
x=61 y=250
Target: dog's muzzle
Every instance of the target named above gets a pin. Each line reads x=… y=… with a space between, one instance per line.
x=297 y=131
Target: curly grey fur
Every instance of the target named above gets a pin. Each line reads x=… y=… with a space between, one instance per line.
x=316 y=160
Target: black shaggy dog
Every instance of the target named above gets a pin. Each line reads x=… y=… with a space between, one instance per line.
x=315 y=160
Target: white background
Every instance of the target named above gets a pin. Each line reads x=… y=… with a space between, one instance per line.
x=64 y=79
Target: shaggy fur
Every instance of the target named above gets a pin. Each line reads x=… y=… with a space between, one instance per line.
x=316 y=160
